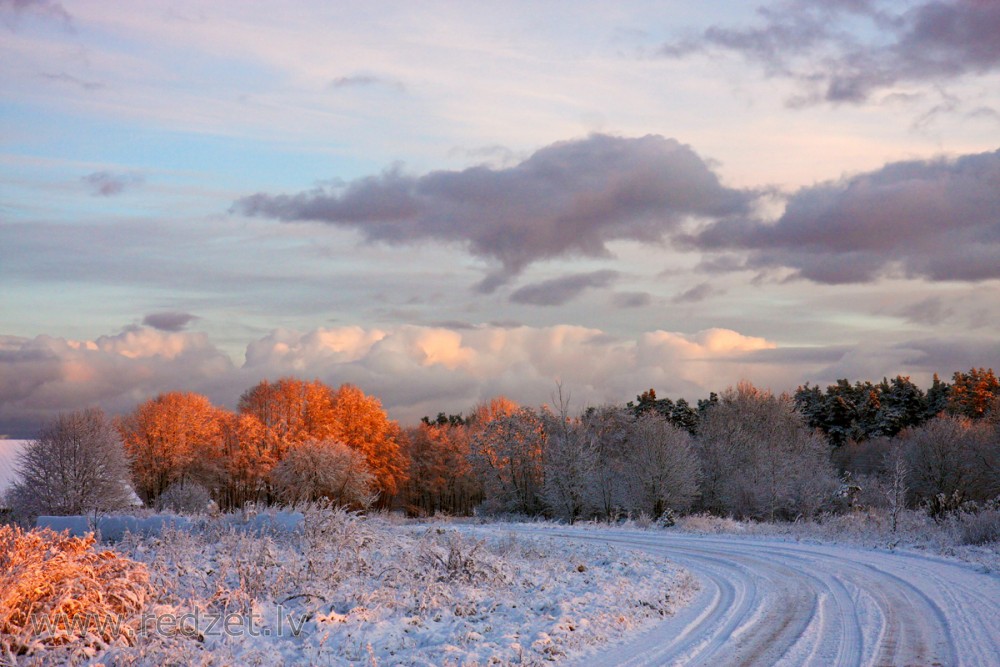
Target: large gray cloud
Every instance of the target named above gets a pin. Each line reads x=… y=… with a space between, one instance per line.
x=932 y=41
x=936 y=219
x=558 y=291
x=569 y=198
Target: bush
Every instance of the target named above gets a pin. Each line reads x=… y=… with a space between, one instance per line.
x=980 y=528
x=58 y=593
x=184 y=498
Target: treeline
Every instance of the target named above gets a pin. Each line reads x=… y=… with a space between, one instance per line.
x=846 y=412
x=745 y=452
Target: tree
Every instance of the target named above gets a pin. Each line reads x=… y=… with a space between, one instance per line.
x=172 y=438
x=895 y=488
x=290 y=411
x=569 y=460
x=679 y=413
x=249 y=459
x=902 y=404
x=359 y=422
x=76 y=466
x=846 y=412
x=440 y=476
x=937 y=398
x=661 y=467
x=954 y=457
x=328 y=469
x=760 y=460
x=607 y=428
x=972 y=393
x=507 y=456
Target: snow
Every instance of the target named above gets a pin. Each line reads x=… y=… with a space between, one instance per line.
x=344 y=589
x=8 y=461
x=785 y=601
x=77 y=526
x=329 y=587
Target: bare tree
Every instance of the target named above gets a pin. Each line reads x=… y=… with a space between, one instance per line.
x=606 y=429
x=762 y=461
x=76 y=466
x=896 y=489
x=661 y=467
x=569 y=462
x=955 y=458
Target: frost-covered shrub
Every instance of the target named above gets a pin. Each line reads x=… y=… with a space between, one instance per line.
x=184 y=498
x=324 y=469
x=59 y=596
x=981 y=527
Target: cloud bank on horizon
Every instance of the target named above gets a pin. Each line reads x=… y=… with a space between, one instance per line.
x=421 y=370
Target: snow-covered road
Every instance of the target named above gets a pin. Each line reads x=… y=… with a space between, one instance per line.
x=780 y=603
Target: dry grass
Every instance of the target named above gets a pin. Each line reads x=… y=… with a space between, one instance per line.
x=59 y=593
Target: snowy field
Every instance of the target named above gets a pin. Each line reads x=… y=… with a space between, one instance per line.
x=348 y=590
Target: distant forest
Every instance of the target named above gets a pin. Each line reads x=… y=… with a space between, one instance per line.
x=744 y=452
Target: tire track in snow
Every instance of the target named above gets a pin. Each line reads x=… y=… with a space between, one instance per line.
x=767 y=602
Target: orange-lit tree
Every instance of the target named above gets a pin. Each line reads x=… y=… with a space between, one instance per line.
x=290 y=411
x=440 y=476
x=360 y=423
x=507 y=454
x=248 y=462
x=973 y=393
x=175 y=437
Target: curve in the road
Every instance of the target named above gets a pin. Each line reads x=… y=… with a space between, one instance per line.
x=766 y=602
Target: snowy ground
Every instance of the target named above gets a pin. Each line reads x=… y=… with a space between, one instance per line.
x=348 y=590
x=790 y=600
x=362 y=591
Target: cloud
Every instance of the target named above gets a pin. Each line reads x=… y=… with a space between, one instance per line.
x=62 y=77
x=42 y=376
x=415 y=370
x=364 y=81
x=697 y=293
x=928 y=311
x=169 y=320
x=568 y=199
x=934 y=41
x=108 y=184
x=419 y=370
x=935 y=219
x=13 y=10
x=631 y=299
x=558 y=291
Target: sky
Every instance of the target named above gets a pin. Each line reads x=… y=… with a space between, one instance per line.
x=444 y=201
